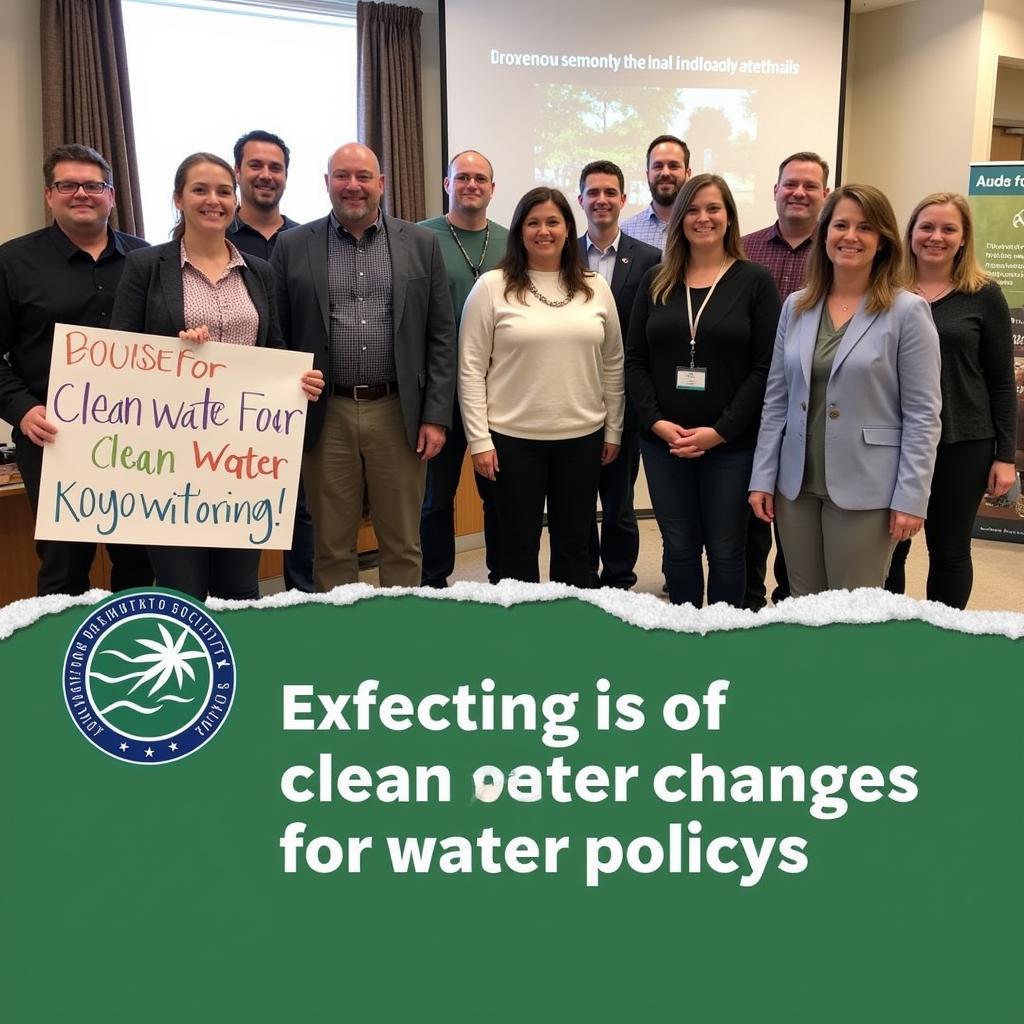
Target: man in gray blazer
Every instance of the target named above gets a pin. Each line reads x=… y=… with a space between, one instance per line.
x=622 y=261
x=367 y=295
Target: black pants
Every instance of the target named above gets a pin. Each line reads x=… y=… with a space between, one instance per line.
x=701 y=506
x=896 y=578
x=617 y=548
x=961 y=473
x=63 y=564
x=759 y=546
x=298 y=562
x=437 y=520
x=566 y=474
x=231 y=573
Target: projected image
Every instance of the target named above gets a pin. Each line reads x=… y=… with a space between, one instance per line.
x=542 y=89
x=573 y=126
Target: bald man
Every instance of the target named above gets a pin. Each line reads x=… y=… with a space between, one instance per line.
x=367 y=295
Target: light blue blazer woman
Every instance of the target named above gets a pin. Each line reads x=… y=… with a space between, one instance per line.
x=882 y=408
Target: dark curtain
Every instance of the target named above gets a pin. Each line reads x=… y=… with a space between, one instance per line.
x=390 y=101
x=85 y=92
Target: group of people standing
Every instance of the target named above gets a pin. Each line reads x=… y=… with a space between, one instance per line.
x=889 y=363
x=890 y=404
x=807 y=375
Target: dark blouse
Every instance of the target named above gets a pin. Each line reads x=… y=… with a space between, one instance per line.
x=735 y=338
x=979 y=399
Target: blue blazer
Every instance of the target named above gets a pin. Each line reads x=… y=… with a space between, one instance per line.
x=150 y=297
x=883 y=401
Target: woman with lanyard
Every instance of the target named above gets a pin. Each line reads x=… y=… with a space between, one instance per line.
x=201 y=288
x=540 y=382
x=851 y=415
x=979 y=401
x=697 y=356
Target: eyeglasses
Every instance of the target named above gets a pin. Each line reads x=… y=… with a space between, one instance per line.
x=90 y=188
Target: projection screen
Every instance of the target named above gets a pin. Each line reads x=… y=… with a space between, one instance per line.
x=541 y=88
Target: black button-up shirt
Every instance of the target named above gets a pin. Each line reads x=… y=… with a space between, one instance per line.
x=250 y=241
x=46 y=279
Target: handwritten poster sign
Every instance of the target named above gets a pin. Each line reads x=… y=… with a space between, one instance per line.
x=166 y=442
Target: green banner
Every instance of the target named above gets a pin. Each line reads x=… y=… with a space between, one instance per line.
x=996 y=195
x=410 y=809
x=997 y=179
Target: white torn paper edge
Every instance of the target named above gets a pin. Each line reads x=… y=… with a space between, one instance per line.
x=19 y=614
x=643 y=610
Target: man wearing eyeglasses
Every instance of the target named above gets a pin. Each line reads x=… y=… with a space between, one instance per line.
x=66 y=273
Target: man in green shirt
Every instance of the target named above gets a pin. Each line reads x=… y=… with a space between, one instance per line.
x=470 y=245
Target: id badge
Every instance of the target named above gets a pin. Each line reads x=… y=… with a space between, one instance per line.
x=691 y=378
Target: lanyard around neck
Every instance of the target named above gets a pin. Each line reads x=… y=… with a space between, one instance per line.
x=694 y=321
x=475 y=269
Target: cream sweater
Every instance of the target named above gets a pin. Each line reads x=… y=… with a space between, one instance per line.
x=531 y=371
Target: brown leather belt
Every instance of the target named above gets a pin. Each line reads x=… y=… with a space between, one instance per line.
x=364 y=392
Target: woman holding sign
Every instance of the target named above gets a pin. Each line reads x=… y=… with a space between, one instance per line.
x=851 y=415
x=697 y=356
x=979 y=401
x=201 y=288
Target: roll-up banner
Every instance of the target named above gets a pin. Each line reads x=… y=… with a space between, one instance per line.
x=996 y=195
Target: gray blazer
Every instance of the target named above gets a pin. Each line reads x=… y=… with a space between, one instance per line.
x=424 y=327
x=150 y=297
x=882 y=427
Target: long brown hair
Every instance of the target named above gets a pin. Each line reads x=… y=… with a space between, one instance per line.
x=672 y=271
x=181 y=176
x=967 y=276
x=515 y=264
x=886 y=271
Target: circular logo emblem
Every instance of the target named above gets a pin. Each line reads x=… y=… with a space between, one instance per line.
x=149 y=677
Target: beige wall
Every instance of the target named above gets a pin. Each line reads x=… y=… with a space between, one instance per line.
x=911 y=98
x=921 y=92
x=1002 y=36
x=1010 y=94
x=21 y=116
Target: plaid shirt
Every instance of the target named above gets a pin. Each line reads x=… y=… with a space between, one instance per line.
x=646 y=227
x=362 y=326
x=787 y=265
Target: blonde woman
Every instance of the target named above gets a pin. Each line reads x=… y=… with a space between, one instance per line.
x=847 y=443
x=979 y=402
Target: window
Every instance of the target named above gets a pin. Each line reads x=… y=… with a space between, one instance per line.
x=203 y=73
